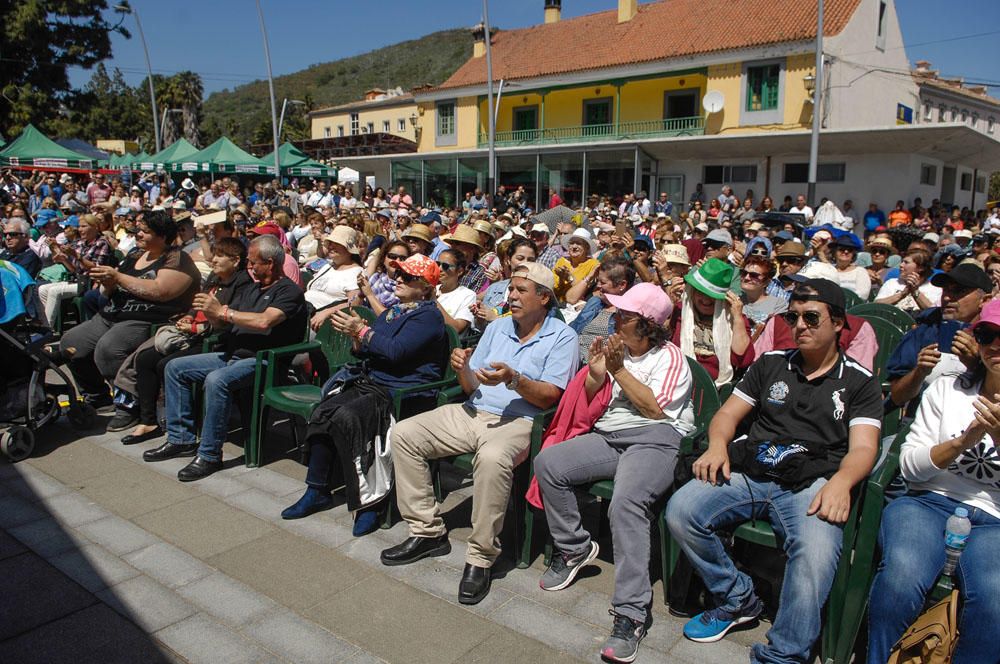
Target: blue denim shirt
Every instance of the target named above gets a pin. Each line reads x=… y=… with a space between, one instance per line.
x=589 y=313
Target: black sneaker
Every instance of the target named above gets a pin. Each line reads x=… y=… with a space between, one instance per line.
x=623 y=644
x=123 y=419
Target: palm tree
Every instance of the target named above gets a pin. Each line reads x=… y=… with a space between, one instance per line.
x=188 y=91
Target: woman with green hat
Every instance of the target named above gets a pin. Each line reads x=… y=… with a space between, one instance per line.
x=712 y=328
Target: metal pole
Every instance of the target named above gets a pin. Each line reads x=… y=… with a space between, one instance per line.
x=491 y=179
x=817 y=108
x=281 y=119
x=149 y=71
x=270 y=85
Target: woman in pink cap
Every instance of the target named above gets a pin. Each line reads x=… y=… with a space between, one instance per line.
x=645 y=382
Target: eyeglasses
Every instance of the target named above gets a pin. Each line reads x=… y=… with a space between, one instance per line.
x=986 y=334
x=397 y=257
x=795 y=260
x=14 y=234
x=879 y=251
x=406 y=277
x=758 y=252
x=812 y=318
x=446 y=267
x=752 y=276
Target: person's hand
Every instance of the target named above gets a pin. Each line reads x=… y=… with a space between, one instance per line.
x=614 y=354
x=494 y=274
x=965 y=347
x=675 y=291
x=318 y=319
x=911 y=281
x=460 y=359
x=184 y=323
x=563 y=272
x=208 y=304
x=832 y=502
x=735 y=305
x=988 y=416
x=364 y=285
x=500 y=373
x=710 y=464
x=927 y=358
x=737 y=258
x=104 y=275
x=659 y=261
x=595 y=360
x=348 y=323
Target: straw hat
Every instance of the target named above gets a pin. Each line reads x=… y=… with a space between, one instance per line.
x=676 y=253
x=345 y=237
x=464 y=235
x=483 y=226
x=419 y=231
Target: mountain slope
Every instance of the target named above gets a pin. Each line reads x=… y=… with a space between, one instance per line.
x=244 y=114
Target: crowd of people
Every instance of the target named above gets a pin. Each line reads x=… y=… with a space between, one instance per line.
x=602 y=313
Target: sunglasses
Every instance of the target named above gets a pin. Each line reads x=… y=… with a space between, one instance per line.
x=760 y=252
x=986 y=334
x=811 y=318
x=789 y=259
x=406 y=277
x=752 y=276
x=446 y=267
x=14 y=234
x=397 y=257
x=879 y=251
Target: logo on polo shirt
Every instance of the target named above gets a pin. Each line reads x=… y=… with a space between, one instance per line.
x=838 y=404
x=778 y=393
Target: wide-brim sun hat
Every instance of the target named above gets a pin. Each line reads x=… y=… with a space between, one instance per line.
x=419 y=231
x=345 y=237
x=463 y=234
x=713 y=278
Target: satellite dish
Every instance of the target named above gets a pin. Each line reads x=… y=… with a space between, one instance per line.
x=713 y=101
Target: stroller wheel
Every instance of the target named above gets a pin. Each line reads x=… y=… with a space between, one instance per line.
x=17 y=443
x=82 y=415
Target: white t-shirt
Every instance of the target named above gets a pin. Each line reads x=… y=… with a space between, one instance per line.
x=857 y=280
x=805 y=211
x=665 y=371
x=458 y=303
x=893 y=286
x=331 y=285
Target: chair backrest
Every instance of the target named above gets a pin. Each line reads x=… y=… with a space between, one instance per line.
x=896 y=316
x=336 y=346
x=453 y=343
x=851 y=299
x=704 y=396
x=888 y=336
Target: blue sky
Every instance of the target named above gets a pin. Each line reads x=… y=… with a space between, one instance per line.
x=220 y=39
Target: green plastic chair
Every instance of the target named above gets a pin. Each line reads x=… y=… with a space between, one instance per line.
x=895 y=315
x=851 y=299
x=888 y=336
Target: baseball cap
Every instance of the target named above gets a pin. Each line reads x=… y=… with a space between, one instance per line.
x=968 y=275
x=990 y=315
x=540 y=228
x=643 y=240
x=646 y=299
x=703 y=227
x=72 y=221
x=44 y=216
x=720 y=235
x=421 y=266
x=264 y=228
x=784 y=235
x=536 y=272
x=931 y=237
x=827 y=292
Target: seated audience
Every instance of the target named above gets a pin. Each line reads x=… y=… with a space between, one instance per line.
x=912 y=290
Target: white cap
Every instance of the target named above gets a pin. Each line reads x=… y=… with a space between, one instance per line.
x=932 y=237
x=540 y=228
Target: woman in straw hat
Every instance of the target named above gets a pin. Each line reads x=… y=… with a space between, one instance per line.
x=336 y=283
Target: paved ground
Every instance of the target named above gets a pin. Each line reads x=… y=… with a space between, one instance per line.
x=104 y=558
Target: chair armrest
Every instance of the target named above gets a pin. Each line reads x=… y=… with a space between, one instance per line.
x=692 y=441
x=539 y=423
x=267 y=359
x=294 y=349
x=404 y=392
x=450 y=395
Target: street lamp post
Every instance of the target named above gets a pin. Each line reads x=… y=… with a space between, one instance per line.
x=284 y=105
x=270 y=85
x=491 y=178
x=817 y=109
x=149 y=71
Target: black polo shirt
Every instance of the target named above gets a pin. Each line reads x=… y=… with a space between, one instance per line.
x=790 y=408
x=285 y=295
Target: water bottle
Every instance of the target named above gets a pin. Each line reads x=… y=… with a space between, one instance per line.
x=956 y=534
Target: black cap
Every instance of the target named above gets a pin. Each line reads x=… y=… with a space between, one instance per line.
x=826 y=292
x=980 y=237
x=969 y=275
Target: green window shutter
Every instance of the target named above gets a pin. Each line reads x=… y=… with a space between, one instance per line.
x=762 y=88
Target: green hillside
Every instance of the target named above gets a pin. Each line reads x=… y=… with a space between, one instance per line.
x=243 y=114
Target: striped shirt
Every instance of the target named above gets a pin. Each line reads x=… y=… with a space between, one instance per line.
x=665 y=371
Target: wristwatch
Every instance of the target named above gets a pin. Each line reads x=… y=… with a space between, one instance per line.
x=514 y=381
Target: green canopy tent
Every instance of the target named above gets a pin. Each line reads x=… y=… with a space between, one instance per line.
x=223 y=156
x=33 y=149
x=296 y=162
x=179 y=150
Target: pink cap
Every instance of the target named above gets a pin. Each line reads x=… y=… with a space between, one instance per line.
x=990 y=315
x=647 y=300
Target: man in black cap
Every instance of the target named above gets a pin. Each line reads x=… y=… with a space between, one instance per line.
x=813 y=436
x=939 y=343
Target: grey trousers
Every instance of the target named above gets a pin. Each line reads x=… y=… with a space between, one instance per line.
x=641 y=462
x=97 y=348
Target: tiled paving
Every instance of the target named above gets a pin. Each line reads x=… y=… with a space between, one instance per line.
x=104 y=558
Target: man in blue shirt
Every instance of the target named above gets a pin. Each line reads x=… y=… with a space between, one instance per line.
x=520 y=367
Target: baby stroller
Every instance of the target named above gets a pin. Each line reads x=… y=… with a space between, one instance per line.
x=27 y=401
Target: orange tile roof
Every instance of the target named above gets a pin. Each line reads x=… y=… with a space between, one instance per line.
x=660 y=30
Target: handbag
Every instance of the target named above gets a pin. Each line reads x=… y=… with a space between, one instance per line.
x=168 y=340
x=932 y=637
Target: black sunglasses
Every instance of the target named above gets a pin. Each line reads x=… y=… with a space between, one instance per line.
x=397 y=257
x=812 y=318
x=14 y=234
x=754 y=276
x=445 y=267
x=791 y=259
x=986 y=334
x=406 y=276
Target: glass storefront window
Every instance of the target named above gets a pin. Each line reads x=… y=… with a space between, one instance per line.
x=472 y=175
x=610 y=173
x=517 y=171
x=561 y=174
x=407 y=174
x=439 y=178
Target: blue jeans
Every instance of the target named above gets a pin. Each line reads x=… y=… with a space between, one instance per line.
x=812 y=545
x=220 y=379
x=912 y=541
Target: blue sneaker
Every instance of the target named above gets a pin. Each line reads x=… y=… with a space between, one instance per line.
x=710 y=626
x=312 y=501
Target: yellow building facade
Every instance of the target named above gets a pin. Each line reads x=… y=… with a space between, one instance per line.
x=389 y=116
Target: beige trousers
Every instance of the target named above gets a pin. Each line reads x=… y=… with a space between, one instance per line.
x=499 y=443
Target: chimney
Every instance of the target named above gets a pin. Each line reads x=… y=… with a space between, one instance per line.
x=553 y=11
x=627 y=10
x=479 y=41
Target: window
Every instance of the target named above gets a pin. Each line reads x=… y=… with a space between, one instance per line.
x=943 y=113
x=928 y=112
x=401 y=125
x=355 y=125
x=340 y=130
x=981 y=184
x=326 y=132
x=991 y=125
x=880 y=29
x=966 y=182
x=598 y=117
x=799 y=172
x=928 y=174
x=386 y=126
x=446 y=134
x=680 y=104
x=370 y=127
x=965 y=116
x=525 y=118
x=730 y=174
x=974 y=121
x=762 y=88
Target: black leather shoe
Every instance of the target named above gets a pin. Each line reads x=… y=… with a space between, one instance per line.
x=198 y=469
x=169 y=451
x=413 y=549
x=475 y=585
x=132 y=439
